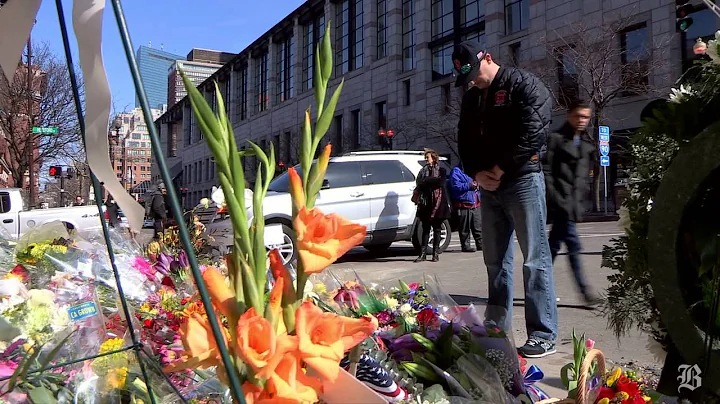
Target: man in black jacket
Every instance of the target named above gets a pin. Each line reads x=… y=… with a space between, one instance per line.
x=504 y=123
x=569 y=155
x=155 y=209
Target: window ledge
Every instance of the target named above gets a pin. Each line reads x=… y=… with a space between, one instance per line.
x=441 y=82
x=515 y=35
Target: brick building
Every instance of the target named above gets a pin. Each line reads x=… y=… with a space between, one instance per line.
x=395 y=58
x=130 y=150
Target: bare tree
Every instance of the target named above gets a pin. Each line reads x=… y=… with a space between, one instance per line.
x=52 y=106
x=597 y=64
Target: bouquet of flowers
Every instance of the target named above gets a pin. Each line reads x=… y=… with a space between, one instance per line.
x=623 y=387
x=263 y=347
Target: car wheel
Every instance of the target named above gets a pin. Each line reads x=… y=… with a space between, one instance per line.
x=288 y=248
x=377 y=248
x=445 y=234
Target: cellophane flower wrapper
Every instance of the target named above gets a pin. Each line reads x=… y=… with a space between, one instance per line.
x=344 y=292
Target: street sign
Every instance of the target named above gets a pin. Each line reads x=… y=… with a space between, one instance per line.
x=604 y=134
x=604 y=149
x=53 y=130
x=604 y=161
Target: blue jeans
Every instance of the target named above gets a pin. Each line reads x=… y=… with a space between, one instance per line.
x=518 y=206
x=565 y=231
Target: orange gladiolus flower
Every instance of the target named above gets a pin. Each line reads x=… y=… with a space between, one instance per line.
x=258 y=346
x=220 y=294
x=201 y=350
x=279 y=271
x=296 y=189
x=322 y=239
x=290 y=384
x=323 y=337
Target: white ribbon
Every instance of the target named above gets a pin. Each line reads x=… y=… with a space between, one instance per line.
x=16 y=20
x=87 y=23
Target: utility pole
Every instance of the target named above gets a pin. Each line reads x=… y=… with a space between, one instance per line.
x=30 y=148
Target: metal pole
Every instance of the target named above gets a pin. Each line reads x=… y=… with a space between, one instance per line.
x=62 y=188
x=235 y=384
x=606 y=187
x=29 y=148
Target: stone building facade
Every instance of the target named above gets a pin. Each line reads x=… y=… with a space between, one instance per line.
x=394 y=56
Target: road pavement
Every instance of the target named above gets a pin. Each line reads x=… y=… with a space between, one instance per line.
x=463 y=275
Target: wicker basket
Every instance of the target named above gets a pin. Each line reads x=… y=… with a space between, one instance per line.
x=582 y=392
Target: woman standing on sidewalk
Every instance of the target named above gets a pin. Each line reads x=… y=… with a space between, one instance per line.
x=433 y=206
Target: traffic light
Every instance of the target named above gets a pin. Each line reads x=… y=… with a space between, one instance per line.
x=70 y=173
x=683 y=8
x=55 y=171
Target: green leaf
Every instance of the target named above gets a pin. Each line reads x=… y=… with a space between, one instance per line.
x=52 y=354
x=404 y=286
x=206 y=117
x=327 y=55
x=323 y=123
x=41 y=395
x=319 y=88
x=306 y=155
x=565 y=375
x=246 y=153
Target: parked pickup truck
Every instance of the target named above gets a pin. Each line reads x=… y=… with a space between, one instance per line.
x=16 y=220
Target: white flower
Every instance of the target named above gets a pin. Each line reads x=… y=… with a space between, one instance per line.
x=649 y=204
x=218 y=196
x=205 y=202
x=712 y=48
x=405 y=308
x=40 y=297
x=680 y=95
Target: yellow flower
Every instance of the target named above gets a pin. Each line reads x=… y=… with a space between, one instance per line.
x=614 y=376
x=646 y=399
x=603 y=401
x=622 y=395
x=113 y=344
x=320 y=288
x=390 y=302
x=116 y=378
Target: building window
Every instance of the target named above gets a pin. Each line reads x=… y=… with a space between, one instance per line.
x=288 y=148
x=337 y=142
x=446 y=30
x=285 y=70
x=227 y=86
x=446 y=97
x=514 y=54
x=207 y=169
x=635 y=57
x=242 y=93
x=276 y=146
x=568 y=78
x=381 y=28
x=314 y=32
x=442 y=64
x=517 y=15
x=408 y=35
x=471 y=12
x=442 y=18
x=381 y=111
x=356 y=129
x=406 y=92
x=172 y=140
x=261 y=83
x=349 y=36
x=212 y=168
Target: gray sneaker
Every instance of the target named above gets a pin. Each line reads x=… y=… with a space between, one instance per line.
x=537 y=348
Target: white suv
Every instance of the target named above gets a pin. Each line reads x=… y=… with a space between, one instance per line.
x=370 y=188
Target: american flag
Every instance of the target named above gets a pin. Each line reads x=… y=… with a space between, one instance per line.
x=370 y=372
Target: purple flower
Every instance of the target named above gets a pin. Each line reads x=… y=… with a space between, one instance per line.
x=402 y=355
x=163 y=263
x=406 y=342
x=347 y=297
x=183 y=259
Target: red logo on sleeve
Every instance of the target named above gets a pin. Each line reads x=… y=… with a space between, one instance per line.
x=501 y=97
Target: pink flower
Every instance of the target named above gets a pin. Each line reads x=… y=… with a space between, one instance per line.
x=589 y=344
x=7 y=368
x=347 y=297
x=413 y=286
x=145 y=268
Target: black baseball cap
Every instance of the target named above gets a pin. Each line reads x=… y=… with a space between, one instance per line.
x=466 y=64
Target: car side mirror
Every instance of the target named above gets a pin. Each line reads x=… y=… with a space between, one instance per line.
x=325 y=184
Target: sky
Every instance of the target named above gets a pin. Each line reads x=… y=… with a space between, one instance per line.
x=177 y=25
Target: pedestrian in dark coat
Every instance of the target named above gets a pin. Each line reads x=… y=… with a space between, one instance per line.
x=568 y=163
x=433 y=206
x=156 y=210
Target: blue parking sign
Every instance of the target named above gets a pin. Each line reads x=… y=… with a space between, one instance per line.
x=605 y=161
x=604 y=133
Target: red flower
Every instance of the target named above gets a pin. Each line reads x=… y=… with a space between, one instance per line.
x=427 y=317
x=627 y=386
x=523 y=364
x=184 y=301
x=605 y=392
x=167 y=281
x=148 y=323
x=20 y=272
x=413 y=285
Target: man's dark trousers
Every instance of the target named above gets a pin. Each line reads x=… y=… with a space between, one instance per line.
x=565 y=231
x=470 y=224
